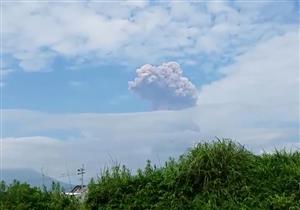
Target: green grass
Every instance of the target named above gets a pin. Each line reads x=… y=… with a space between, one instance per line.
x=217 y=175
x=22 y=196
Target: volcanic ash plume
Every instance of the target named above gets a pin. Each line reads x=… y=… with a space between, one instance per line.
x=164 y=86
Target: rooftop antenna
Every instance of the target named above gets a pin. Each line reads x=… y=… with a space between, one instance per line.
x=81 y=171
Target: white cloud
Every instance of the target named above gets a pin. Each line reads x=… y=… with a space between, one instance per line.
x=36 y=33
x=93 y=139
x=258 y=100
x=265 y=80
x=256 y=103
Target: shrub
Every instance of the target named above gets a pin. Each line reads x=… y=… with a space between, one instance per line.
x=217 y=175
x=21 y=196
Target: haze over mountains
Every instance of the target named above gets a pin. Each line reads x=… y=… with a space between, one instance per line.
x=31 y=177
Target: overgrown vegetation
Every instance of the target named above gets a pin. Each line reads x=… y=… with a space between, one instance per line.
x=21 y=196
x=218 y=175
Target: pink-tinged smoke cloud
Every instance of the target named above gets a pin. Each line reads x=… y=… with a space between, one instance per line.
x=164 y=86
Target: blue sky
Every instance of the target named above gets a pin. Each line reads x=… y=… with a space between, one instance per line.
x=75 y=91
x=47 y=76
x=64 y=60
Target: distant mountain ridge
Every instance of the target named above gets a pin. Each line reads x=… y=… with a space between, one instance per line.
x=31 y=177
